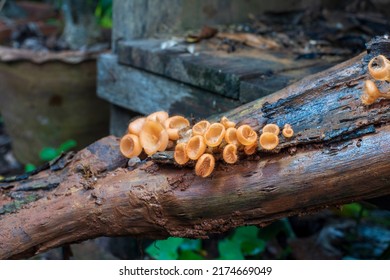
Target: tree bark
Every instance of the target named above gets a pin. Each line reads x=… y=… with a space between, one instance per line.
x=340 y=154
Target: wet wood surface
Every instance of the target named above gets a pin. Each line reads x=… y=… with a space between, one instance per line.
x=340 y=154
x=218 y=71
x=145 y=93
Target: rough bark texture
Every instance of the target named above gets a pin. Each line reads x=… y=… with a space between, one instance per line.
x=340 y=154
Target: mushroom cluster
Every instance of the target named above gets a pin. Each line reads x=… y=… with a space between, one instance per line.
x=202 y=143
x=151 y=134
x=379 y=69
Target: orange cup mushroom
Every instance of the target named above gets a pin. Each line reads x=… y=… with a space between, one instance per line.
x=231 y=136
x=130 y=146
x=160 y=116
x=196 y=147
x=174 y=125
x=153 y=137
x=379 y=68
x=214 y=134
x=273 y=128
x=205 y=165
x=180 y=154
x=200 y=127
x=226 y=123
x=370 y=93
x=246 y=135
x=230 y=153
x=287 y=131
x=268 y=141
x=251 y=149
x=135 y=126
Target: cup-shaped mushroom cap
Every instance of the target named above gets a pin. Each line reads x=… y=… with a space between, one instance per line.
x=135 y=126
x=200 y=127
x=230 y=153
x=153 y=137
x=251 y=149
x=268 y=141
x=130 y=146
x=287 y=131
x=271 y=127
x=180 y=154
x=160 y=116
x=174 y=124
x=195 y=147
x=205 y=165
x=231 y=136
x=246 y=135
x=379 y=68
x=214 y=134
x=371 y=89
x=226 y=123
x=370 y=93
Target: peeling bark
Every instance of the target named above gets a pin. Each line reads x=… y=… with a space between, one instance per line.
x=340 y=154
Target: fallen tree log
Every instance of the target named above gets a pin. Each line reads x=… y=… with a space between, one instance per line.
x=339 y=154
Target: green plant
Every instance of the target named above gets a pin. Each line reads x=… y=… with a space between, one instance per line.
x=103 y=13
x=244 y=242
x=353 y=210
x=175 y=249
x=50 y=153
x=247 y=242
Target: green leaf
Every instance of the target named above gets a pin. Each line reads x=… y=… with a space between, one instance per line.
x=48 y=154
x=29 y=167
x=352 y=210
x=67 y=145
x=165 y=249
x=245 y=233
x=229 y=250
x=249 y=241
x=106 y=22
x=189 y=255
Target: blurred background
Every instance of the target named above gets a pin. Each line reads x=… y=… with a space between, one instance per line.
x=73 y=71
